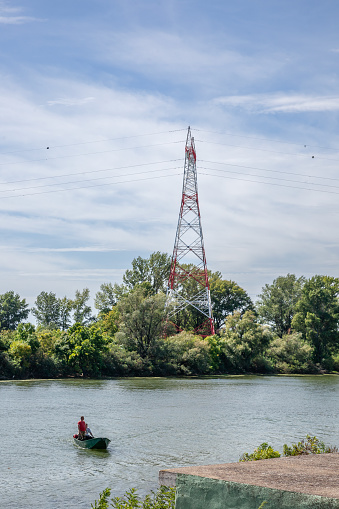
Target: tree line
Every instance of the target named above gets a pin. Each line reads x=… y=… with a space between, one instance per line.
x=292 y=328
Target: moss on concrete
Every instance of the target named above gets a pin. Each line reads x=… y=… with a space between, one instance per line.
x=195 y=492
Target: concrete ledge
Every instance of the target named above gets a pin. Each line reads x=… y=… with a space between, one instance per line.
x=306 y=482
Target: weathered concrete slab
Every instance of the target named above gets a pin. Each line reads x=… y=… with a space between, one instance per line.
x=306 y=482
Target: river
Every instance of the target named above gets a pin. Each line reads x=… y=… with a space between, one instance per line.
x=153 y=423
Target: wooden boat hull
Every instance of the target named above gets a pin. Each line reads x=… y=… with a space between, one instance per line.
x=92 y=443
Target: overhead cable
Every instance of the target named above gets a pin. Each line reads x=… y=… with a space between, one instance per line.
x=93 y=141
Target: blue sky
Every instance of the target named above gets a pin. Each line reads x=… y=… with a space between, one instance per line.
x=111 y=86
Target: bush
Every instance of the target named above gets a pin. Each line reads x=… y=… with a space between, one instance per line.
x=118 y=361
x=7 y=366
x=308 y=445
x=188 y=354
x=244 y=339
x=263 y=452
x=291 y=354
x=163 y=498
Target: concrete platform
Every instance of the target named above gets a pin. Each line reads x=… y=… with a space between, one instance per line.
x=295 y=482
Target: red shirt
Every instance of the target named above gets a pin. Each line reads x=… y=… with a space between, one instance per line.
x=82 y=426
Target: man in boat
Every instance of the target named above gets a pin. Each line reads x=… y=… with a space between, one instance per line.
x=82 y=428
x=89 y=433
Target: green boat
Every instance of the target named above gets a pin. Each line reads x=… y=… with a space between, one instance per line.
x=92 y=443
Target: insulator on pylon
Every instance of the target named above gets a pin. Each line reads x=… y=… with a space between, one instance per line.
x=188 y=266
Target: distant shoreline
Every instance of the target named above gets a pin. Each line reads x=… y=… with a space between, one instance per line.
x=203 y=377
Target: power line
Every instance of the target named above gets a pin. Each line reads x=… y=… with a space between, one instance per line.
x=87 y=187
x=227 y=133
x=266 y=169
x=90 y=171
x=162 y=162
x=165 y=176
x=88 y=153
x=266 y=139
x=88 y=180
x=270 y=183
x=266 y=150
x=93 y=141
x=273 y=178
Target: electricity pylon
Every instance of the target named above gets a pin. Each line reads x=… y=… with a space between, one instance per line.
x=188 y=260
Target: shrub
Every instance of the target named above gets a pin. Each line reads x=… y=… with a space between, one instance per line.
x=291 y=354
x=188 y=354
x=263 y=452
x=308 y=445
x=20 y=351
x=163 y=498
x=118 y=361
x=243 y=341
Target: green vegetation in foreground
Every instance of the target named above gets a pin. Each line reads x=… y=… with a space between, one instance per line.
x=308 y=445
x=292 y=329
x=163 y=498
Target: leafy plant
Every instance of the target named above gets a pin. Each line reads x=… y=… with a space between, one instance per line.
x=102 y=503
x=263 y=452
x=308 y=445
x=163 y=498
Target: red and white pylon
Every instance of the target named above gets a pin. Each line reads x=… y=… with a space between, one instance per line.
x=188 y=249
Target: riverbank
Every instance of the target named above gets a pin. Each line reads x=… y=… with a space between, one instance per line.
x=192 y=377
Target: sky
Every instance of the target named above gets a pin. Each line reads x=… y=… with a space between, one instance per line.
x=95 y=100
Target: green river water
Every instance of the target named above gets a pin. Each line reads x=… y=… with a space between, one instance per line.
x=153 y=423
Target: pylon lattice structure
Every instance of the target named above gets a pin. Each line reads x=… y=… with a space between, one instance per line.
x=188 y=248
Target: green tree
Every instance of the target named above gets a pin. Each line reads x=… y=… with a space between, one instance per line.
x=110 y=322
x=142 y=320
x=187 y=354
x=20 y=351
x=155 y=270
x=291 y=354
x=227 y=297
x=82 y=311
x=47 y=310
x=13 y=310
x=47 y=340
x=277 y=302
x=317 y=315
x=244 y=339
x=82 y=349
x=65 y=311
x=106 y=298
x=26 y=332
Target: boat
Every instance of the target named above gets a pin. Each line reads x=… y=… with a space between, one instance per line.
x=92 y=443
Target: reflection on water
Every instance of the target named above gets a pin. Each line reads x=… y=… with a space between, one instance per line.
x=153 y=423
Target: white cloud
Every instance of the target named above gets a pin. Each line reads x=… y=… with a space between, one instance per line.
x=183 y=58
x=284 y=103
x=7 y=15
x=64 y=101
x=84 y=249
x=18 y=20
x=5 y=8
